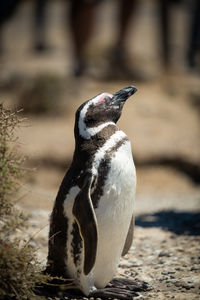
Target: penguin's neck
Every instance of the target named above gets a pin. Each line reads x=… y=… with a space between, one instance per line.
x=86 y=148
x=89 y=132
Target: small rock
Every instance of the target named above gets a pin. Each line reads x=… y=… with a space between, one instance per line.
x=161 y=262
x=190 y=281
x=125 y=264
x=162 y=253
x=178 y=269
x=157 y=251
x=178 y=284
x=164 y=272
x=167 y=263
x=180 y=249
x=171 y=272
x=136 y=263
x=175 y=258
x=186 y=286
x=132 y=248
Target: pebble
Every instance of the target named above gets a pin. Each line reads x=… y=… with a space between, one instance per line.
x=162 y=253
x=132 y=248
x=161 y=262
x=178 y=283
x=190 y=281
x=167 y=263
x=168 y=285
x=178 y=269
x=174 y=258
x=173 y=280
x=164 y=272
x=136 y=263
x=186 y=286
x=180 y=249
x=125 y=264
x=171 y=272
x=168 y=281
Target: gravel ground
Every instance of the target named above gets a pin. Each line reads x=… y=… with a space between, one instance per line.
x=162 y=124
x=165 y=252
x=170 y=263
x=167 y=261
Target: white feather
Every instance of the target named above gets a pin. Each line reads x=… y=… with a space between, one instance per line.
x=111 y=142
x=114 y=214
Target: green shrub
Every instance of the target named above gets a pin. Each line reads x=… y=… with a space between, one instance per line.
x=19 y=269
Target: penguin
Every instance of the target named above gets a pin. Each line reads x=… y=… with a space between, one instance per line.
x=91 y=225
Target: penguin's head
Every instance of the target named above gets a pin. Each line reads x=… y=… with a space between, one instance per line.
x=103 y=109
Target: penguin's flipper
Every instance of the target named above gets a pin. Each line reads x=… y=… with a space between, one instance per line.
x=129 y=237
x=84 y=214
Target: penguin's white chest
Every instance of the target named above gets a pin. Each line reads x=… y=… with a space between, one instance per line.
x=114 y=213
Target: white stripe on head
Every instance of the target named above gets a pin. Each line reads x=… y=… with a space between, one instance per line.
x=84 y=131
x=110 y=143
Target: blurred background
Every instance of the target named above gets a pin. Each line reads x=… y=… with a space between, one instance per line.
x=56 y=54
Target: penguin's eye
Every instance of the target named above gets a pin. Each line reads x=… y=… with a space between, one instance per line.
x=105 y=98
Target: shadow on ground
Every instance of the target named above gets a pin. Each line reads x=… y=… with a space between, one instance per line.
x=176 y=222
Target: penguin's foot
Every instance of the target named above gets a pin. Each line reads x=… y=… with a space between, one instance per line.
x=113 y=293
x=121 y=288
x=134 y=285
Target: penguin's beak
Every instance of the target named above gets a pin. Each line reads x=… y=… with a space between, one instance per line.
x=122 y=95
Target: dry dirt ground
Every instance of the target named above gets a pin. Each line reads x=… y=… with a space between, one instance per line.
x=162 y=122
